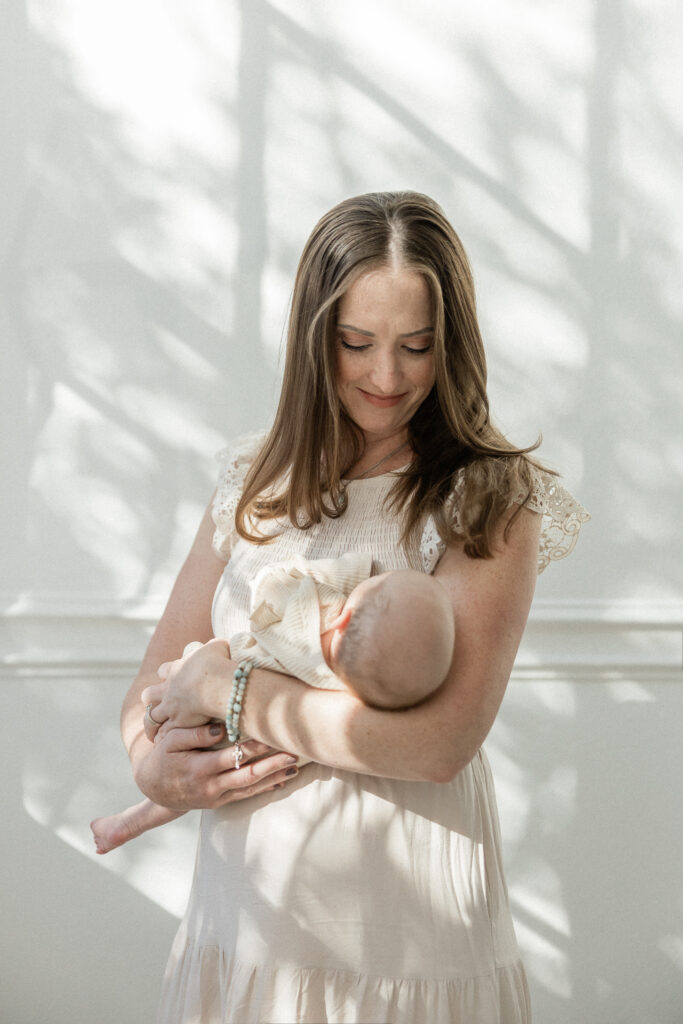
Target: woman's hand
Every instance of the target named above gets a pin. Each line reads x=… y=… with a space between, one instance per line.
x=191 y=690
x=149 y=724
x=181 y=773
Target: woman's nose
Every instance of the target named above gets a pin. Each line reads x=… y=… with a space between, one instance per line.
x=385 y=374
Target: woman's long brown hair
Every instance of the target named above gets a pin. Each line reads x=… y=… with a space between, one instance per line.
x=313 y=442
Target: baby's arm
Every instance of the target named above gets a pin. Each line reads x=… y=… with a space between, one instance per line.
x=117 y=829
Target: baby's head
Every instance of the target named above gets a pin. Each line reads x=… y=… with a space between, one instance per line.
x=392 y=645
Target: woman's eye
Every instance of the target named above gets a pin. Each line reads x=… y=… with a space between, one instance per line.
x=346 y=344
x=351 y=348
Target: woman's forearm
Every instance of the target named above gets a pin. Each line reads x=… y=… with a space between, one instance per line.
x=335 y=728
x=327 y=726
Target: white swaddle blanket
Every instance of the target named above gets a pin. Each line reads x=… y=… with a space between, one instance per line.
x=292 y=603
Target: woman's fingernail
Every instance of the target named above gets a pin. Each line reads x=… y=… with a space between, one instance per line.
x=291 y=760
x=291 y=771
x=216 y=729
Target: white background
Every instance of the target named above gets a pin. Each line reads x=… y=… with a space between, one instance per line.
x=162 y=166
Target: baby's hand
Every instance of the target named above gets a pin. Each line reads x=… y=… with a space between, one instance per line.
x=168 y=667
x=186 y=687
x=165 y=669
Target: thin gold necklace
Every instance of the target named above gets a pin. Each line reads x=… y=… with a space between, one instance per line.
x=385 y=458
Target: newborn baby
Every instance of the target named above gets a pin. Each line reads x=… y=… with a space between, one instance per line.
x=387 y=639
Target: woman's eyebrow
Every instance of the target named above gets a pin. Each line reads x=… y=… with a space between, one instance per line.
x=414 y=334
x=369 y=334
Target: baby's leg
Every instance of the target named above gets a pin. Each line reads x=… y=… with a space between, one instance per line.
x=117 y=829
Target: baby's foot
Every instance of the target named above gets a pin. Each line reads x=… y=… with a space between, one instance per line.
x=112 y=831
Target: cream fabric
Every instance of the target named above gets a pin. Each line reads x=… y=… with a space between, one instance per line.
x=292 y=603
x=344 y=898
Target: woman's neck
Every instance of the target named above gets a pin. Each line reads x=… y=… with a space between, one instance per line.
x=381 y=455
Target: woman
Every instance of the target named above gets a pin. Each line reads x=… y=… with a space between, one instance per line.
x=370 y=887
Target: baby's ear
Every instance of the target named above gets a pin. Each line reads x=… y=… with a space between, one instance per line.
x=342 y=620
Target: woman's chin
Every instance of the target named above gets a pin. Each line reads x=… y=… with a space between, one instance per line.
x=380 y=425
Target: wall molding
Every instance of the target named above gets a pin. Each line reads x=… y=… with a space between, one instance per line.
x=625 y=611
x=37 y=671
x=577 y=639
x=148 y=609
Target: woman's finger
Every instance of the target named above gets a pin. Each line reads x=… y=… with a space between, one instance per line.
x=153 y=694
x=242 y=781
x=167 y=668
x=202 y=737
x=151 y=723
x=263 y=785
x=194 y=645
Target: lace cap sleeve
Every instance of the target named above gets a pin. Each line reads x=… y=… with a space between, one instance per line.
x=234 y=462
x=563 y=517
x=562 y=514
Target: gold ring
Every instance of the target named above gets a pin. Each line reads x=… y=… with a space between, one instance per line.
x=148 y=715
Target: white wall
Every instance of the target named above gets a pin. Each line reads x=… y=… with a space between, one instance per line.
x=162 y=165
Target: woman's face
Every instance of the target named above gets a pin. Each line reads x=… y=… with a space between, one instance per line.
x=385 y=350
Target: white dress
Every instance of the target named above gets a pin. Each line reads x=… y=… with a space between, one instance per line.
x=347 y=898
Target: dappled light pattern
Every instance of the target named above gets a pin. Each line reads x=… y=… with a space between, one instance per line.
x=163 y=167
x=62 y=797
x=148 y=270
x=591 y=856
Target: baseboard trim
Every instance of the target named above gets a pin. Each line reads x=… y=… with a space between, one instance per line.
x=578 y=673
x=569 y=640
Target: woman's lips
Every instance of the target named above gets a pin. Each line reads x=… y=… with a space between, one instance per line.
x=382 y=401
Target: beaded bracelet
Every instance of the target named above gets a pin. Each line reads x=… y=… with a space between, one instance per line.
x=239 y=685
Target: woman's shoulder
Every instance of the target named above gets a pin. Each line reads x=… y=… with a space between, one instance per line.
x=563 y=515
x=235 y=458
x=234 y=461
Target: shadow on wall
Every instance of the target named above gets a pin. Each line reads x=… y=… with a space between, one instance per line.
x=587 y=809
x=135 y=278
x=136 y=282
x=131 y=287
x=78 y=943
